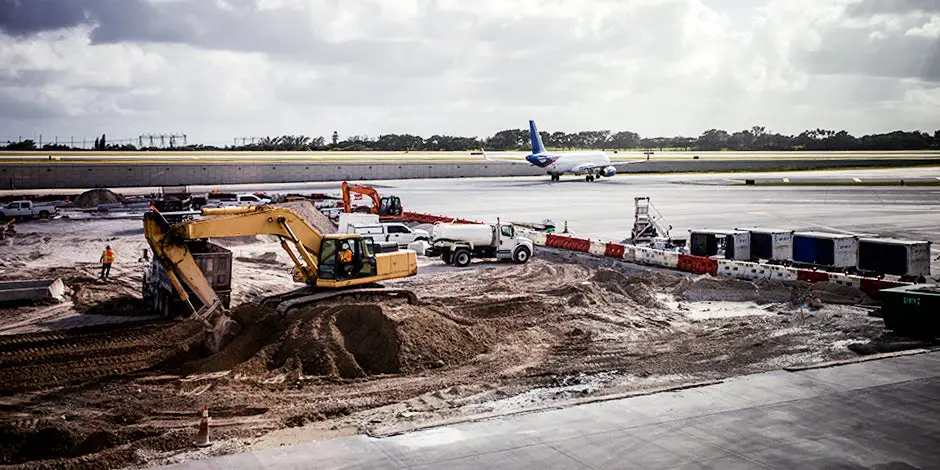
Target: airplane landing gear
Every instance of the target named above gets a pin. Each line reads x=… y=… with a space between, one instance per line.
x=589 y=178
x=555 y=177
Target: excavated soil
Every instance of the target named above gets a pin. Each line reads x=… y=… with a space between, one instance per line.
x=93 y=198
x=485 y=340
x=311 y=214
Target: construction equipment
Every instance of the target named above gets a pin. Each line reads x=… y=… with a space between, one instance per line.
x=387 y=208
x=646 y=223
x=318 y=261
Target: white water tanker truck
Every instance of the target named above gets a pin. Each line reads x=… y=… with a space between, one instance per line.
x=458 y=244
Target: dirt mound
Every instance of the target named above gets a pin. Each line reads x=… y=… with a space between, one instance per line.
x=640 y=290
x=311 y=214
x=93 y=198
x=342 y=340
x=707 y=288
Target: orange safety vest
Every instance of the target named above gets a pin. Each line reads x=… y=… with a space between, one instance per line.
x=345 y=256
x=108 y=257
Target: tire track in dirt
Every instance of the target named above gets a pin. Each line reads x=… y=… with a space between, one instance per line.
x=37 y=360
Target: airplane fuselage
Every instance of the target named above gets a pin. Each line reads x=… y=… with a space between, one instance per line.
x=568 y=162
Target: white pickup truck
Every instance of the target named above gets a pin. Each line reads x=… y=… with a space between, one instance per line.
x=27 y=210
x=230 y=200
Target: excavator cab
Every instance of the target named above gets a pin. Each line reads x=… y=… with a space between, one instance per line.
x=331 y=265
x=390 y=207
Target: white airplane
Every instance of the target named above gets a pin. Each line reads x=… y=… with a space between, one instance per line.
x=593 y=164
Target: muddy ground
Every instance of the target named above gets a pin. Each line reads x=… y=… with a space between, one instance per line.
x=489 y=339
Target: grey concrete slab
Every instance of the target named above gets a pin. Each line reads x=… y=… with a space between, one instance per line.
x=787 y=420
x=540 y=456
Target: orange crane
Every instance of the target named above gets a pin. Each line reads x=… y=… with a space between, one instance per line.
x=387 y=208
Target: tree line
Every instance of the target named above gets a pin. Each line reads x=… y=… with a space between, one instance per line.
x=756 y=138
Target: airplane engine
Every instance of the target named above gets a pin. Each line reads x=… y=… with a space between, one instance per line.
x=609 y=171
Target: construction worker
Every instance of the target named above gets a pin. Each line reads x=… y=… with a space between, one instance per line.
x=107 y=258
x=345 y=260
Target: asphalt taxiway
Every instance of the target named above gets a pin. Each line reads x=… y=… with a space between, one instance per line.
x=880 y=414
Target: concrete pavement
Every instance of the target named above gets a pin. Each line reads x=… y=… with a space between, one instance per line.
x=881 y=414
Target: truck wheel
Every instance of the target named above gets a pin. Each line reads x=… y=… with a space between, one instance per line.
x=43 y=214
x=461 y=258
x=521 y=256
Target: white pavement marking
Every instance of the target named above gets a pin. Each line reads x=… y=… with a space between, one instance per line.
x=786 y=180
x=857 y=180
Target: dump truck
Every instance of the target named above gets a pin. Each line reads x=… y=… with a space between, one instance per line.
x=458 y=244
x=319 y=262
x=215 y=262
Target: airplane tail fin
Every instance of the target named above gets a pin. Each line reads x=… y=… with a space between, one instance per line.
x=537 y=146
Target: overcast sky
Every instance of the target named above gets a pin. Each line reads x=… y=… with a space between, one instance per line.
x=217 y=69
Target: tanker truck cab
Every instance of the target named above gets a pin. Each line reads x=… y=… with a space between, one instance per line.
x=458 y=244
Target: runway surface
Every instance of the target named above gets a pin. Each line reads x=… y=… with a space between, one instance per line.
x=339 y=156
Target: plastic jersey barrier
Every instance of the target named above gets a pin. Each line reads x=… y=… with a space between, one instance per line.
x=703 y=265
x=872 y=287
x=629 y=253
x=597 y=248
x=812 y=276
x=614 y=250
x=697 y=264
x=430 y=219
x=568 y=243
x=845 y=280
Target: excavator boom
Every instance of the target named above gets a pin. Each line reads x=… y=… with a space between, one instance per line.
x=385 y=207
x=314 y=255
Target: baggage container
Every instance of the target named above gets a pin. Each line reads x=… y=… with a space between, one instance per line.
x=731 y=244
x=912 y=310
x=909 y=259
x=833 y=250
x=770 y=244
x=216 y=265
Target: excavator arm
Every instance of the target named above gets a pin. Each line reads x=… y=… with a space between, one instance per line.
x=168 y=243
x=364 y=190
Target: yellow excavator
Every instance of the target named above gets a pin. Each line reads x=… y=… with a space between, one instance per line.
x=330 y=265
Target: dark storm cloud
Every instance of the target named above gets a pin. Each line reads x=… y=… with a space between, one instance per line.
x=851 y=51
x=281 y=33
x=873 y=7
x=26 y=17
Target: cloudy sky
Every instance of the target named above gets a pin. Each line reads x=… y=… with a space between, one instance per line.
x=217 y=69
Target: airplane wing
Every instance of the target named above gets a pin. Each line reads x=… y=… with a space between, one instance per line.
x=617 y=165
x=511 y=162
x=590 y=168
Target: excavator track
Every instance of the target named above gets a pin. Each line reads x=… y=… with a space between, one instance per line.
x=40 y=360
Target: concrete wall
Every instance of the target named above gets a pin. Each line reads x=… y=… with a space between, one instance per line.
x=61 y=175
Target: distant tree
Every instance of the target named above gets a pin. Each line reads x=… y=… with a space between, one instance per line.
x=712 y=139
x=97 y=144
x=104 y=145
x=625 y=140
x=27 y=144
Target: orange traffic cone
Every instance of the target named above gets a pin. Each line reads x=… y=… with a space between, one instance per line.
x=202 y=438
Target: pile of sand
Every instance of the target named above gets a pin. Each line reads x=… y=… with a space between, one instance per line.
x=311 y=214
x=342 y=340
x=95 y=197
